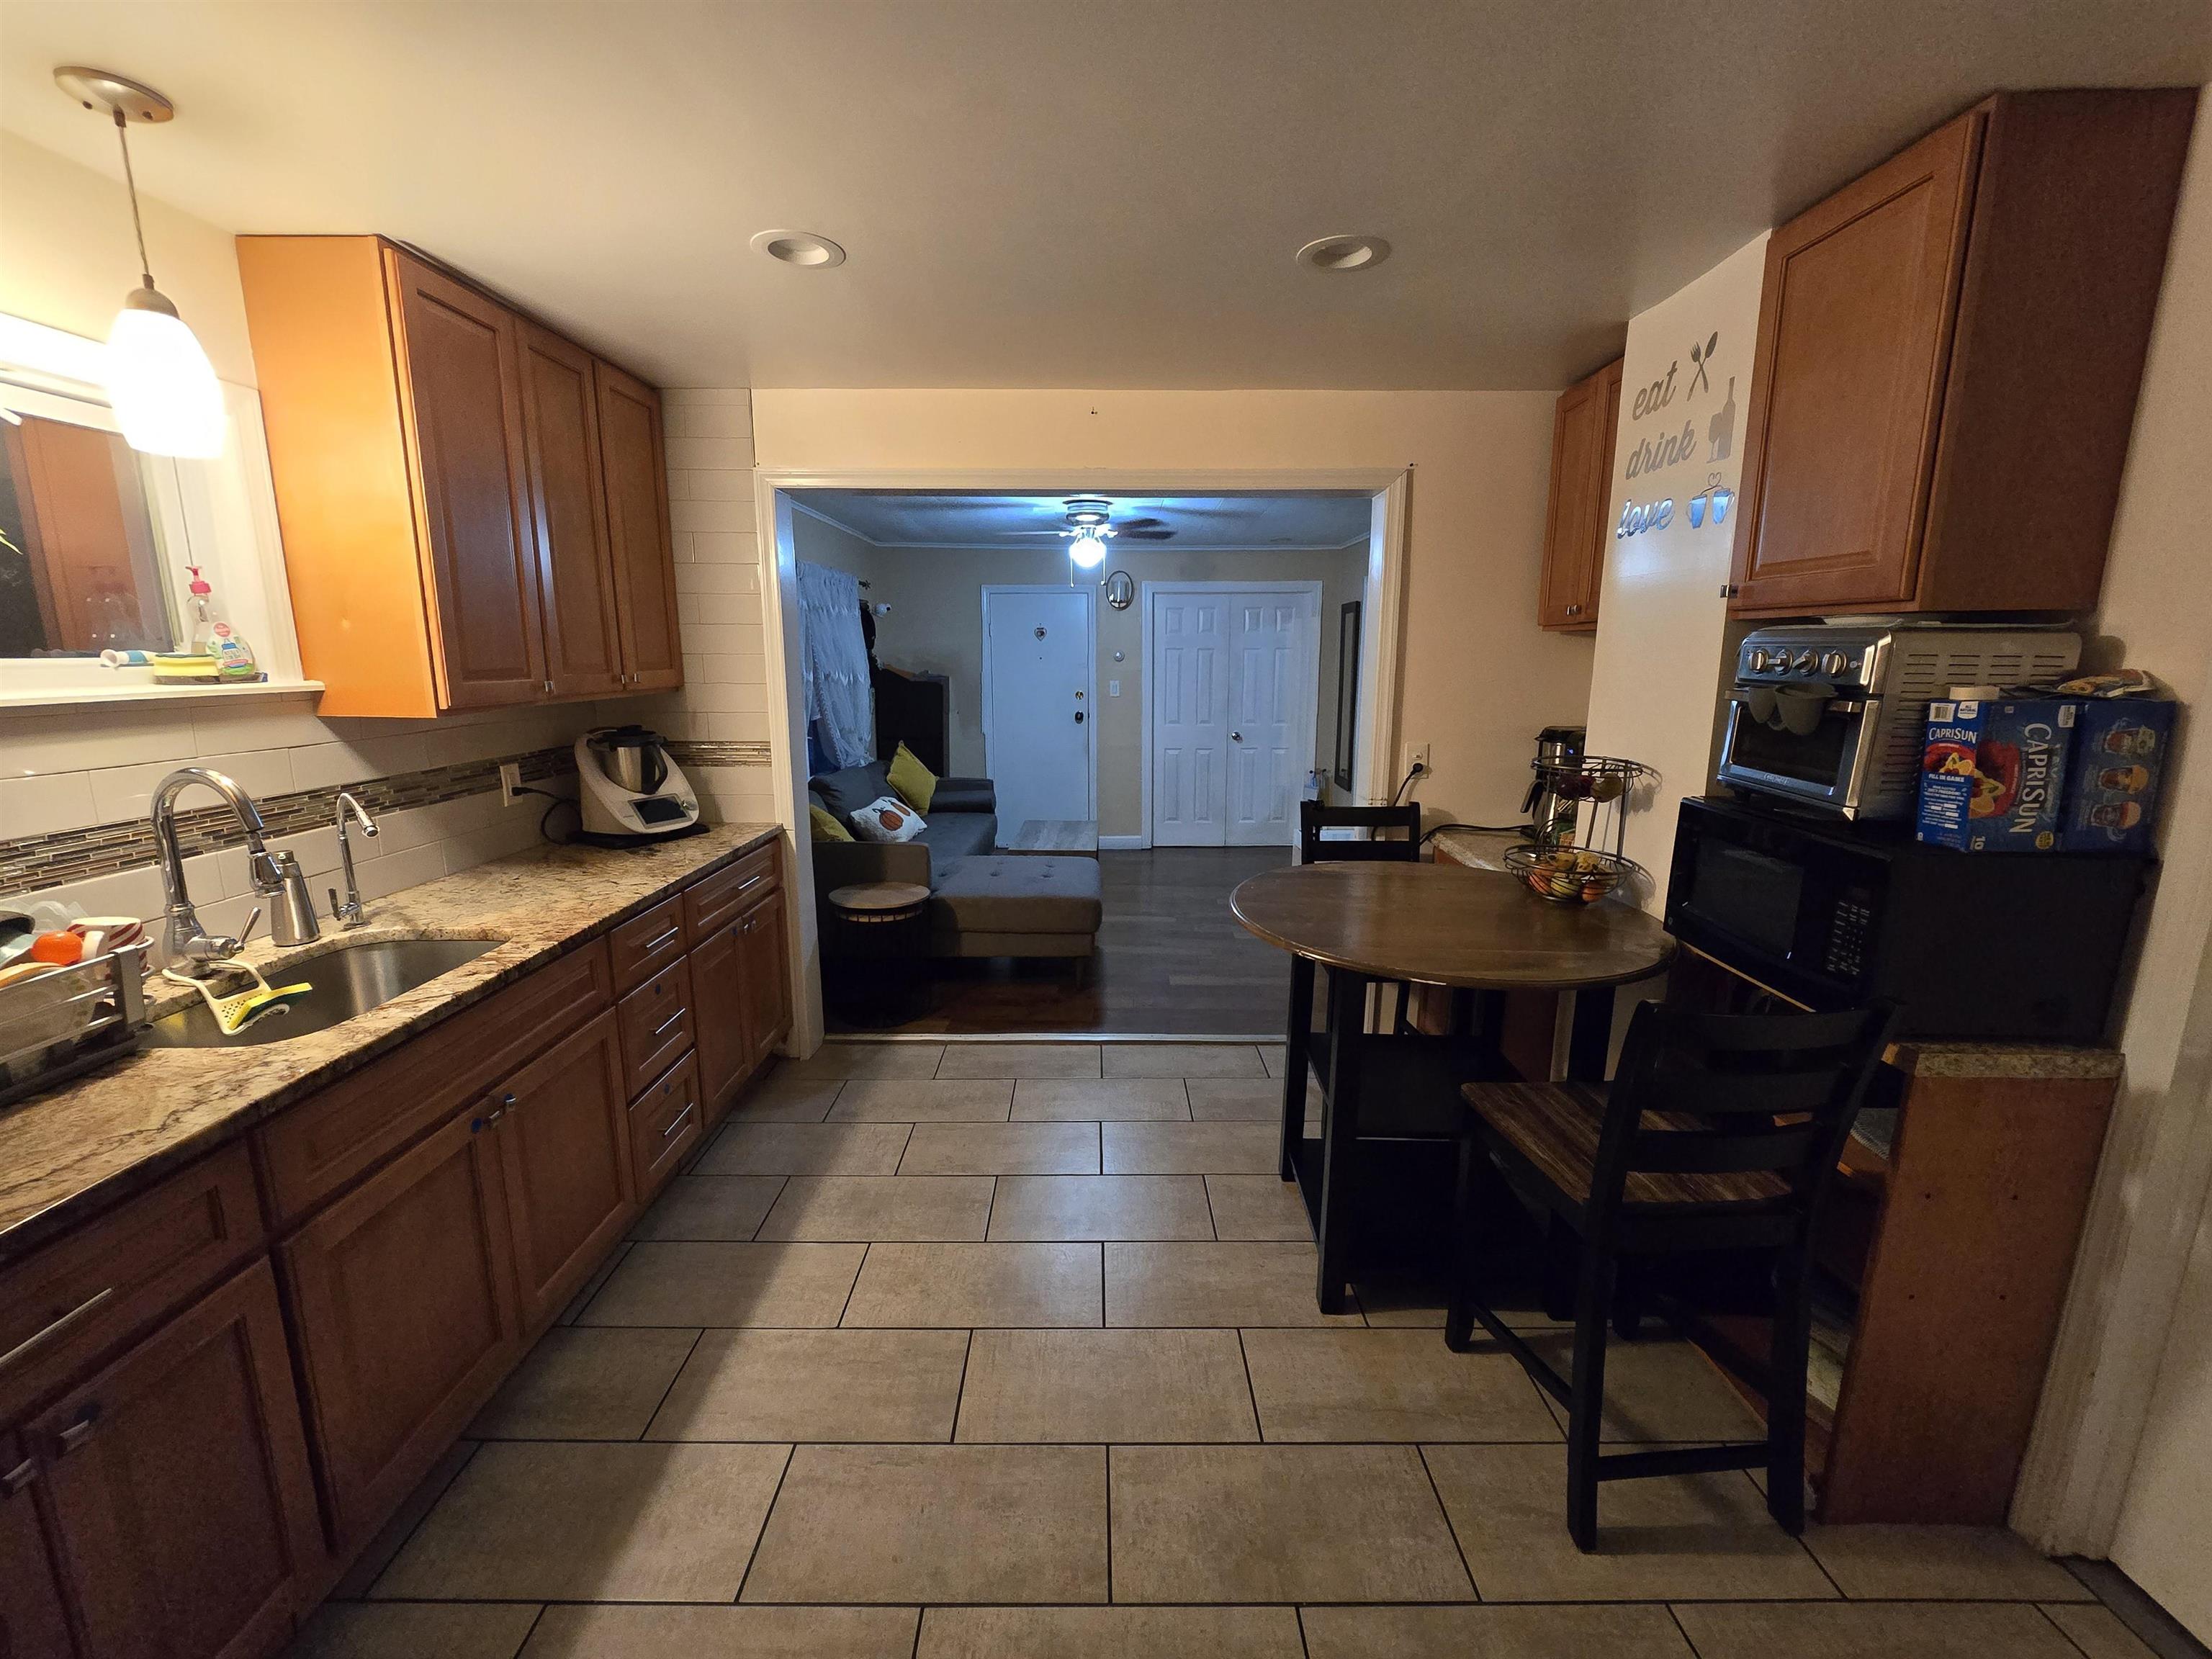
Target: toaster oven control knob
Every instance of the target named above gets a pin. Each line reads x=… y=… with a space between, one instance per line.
x=1832 y=662
x=1804 y=663
x=1761 y=662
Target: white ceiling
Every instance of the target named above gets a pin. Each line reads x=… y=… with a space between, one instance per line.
x=1102 y=194
x=1242 y=523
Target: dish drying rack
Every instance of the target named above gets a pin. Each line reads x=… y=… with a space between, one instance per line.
x=59 y=1025
x=1588 y=799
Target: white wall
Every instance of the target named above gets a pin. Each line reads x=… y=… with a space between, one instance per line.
x=1663 y=634
x=1480 y=678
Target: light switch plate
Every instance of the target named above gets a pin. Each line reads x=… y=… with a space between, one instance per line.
x=1113 y=688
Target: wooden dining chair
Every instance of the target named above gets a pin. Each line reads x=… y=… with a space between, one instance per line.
x=1720 y=1134
x=1405 y=847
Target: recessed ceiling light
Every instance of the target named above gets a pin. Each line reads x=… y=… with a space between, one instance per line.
x=1344 y=252
x=799 y=247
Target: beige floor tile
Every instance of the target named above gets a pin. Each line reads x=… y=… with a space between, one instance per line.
x=1402 y=1305
x=1361 y=1385
x=1089 y=1100
x=817 y=1149
x=786 y=1099
x=867 y=1208
x=1258 y=1207
x=937 y=1523
x=368 y=1629
x=591 y=1522
x=1274 y=1057
x=1100 y=1206
x=1279 y=1524
x=1096 y=1387
x=1893 y=1631
x=1184 y=1059
x=647 y=1633
x=1190 y=1148
x=1213 y=1284
x=844 y=1060
x=1657 y=1389
x=1944 y=1564
x=391 y=1537
x=1690 y=1537
x=2097 y=1631
x=924 y=1099
x=1021 y=1060
x=590 y=1288
x=1493 y=1633
x=923 y=1286
x=816 y=1385
x=1110 y=1633
x=1002 y=1149
x=718 y=1209
x=580 y=1384
x=1236 y=1099
x=795 y=1285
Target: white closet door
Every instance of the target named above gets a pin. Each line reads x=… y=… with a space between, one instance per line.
x=1272 y=699
x=1189 y=691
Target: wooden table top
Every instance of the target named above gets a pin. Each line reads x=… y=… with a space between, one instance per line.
x=1441 y=924
x=869 y=895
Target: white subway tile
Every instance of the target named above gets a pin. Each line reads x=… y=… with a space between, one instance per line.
x=729 y=669
x=382 y=877
x=741 y=610
x=713 y=484
x=726 y=699
x=708 y=639
x=325 y=764
x=228 y=729
x=728 y=547
x=88 y=739
x=687 y=419
x=125 y=893
x=126 y=791
x=717 y=579
x=691 y=518
x=693 y=454
x=41 y=805
x=316 y=850
x=704 y=397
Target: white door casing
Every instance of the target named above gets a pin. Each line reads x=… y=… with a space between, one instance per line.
x=1040 y=722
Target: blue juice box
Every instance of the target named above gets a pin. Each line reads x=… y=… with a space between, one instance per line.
x=2119 y=761
x=1993 y=773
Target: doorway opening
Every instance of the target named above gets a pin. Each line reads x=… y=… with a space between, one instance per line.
x=1112 y=743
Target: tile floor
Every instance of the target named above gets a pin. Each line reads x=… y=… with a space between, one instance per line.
x=1009 y=1351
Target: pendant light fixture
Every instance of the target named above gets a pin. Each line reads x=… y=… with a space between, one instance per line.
x=1086 y=540
x=163 y=388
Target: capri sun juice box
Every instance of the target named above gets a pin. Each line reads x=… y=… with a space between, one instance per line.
x=1993 y=773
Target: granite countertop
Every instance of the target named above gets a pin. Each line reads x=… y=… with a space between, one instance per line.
x=84 y=1146
x=2039 y=1062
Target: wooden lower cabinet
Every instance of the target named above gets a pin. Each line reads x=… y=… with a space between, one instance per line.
x=178 y=1482
x=717 y=994
x=33 y=1624
x=564 y=1153
x=766 y=987
x=403 y=1298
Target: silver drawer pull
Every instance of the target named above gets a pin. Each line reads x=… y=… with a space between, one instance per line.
x=81 y=1430
x=752 y=881
x=671 y=1020
x=681 y=1118
x=654 y=945
x=55 y=1329
x=18 y=1478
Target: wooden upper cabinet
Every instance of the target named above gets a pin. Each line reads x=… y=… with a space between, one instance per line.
x=637 y=527
x=568 y=500
x=1583 y=424
x=1949 y=350
x=462 y=385
x=475 y=509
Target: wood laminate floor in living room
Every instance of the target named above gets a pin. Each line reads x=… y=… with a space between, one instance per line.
x=1010 y=1352
x=1172 y=961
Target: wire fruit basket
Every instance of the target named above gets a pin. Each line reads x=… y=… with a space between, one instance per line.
x=1582 y=801
x=1568 y=875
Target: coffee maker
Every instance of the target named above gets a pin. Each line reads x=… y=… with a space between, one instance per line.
x=1558 y=748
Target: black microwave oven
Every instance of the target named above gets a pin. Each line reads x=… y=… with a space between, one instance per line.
x=1968 y=945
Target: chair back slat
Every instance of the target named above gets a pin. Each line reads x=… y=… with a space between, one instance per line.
x=1313 y=818
x=1743 y=1094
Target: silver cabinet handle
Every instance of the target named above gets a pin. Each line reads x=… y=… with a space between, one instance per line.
x=662 y=1028
x=751 y=881
x=654 y=945
x=81 y=1430
x=681 y=1118
x=18 y=1478
x=51 y=1331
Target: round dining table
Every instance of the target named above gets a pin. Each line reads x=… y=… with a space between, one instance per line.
x=1478 y=931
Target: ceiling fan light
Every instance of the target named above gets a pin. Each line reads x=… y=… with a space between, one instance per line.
x=1087 y=549
x=163 y=388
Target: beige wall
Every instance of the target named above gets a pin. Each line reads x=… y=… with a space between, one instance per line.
x=1480 y=678
x=936 y=626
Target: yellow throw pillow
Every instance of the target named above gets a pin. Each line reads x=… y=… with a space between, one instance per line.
x=915 y=782
x=825 y=824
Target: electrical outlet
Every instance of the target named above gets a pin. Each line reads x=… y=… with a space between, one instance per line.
x=510 y=783
x=1416 y=754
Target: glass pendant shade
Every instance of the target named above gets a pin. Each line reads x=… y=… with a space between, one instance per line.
x=1088 y=551
x=164 y=389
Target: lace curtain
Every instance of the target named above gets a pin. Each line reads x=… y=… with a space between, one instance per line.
x=840 y=707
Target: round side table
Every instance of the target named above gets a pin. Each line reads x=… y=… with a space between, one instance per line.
x=878 y=936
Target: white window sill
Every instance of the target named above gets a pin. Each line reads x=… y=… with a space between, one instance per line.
x=79 y=696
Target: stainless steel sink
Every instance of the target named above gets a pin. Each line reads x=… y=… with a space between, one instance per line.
x=348 y=980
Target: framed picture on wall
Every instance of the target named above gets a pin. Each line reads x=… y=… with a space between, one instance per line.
x=1347 y=692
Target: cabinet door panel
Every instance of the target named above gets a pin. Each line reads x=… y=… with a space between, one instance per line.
x=179 y=1485
x=463 y=382
x=766 y=988
x=403 y=1297
x=33 y=1625
x=568 y=516
x=718 y=1000
x=636 y=463
x=1582 y=459
x=1854 y=342
x=564 y=1147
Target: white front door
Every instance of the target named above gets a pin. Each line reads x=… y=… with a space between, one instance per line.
x=1038 y=725
x=1190 y=724
x=1233 y=679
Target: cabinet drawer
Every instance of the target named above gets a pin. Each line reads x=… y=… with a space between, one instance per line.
x=663 y=1126
x=645 y=945
x=713 y=899
x=657 y=1025
x=330 y=1138
x=64 y=1307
